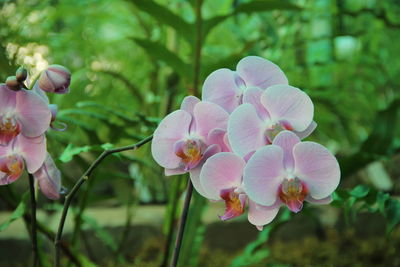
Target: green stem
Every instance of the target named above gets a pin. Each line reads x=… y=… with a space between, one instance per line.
x=33 y=222
x=197 y=47
x=79 y=183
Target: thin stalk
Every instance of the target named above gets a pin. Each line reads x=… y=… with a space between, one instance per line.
x=170 y=234
x=33 y=222
x=196 y=78
x=182 y=224
x=79 y=183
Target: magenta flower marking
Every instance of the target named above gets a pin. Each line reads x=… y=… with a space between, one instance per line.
x=187 y=137
x=22 y=112
x=289 y=172
x=266 y=113
x=226 y=87
x=21 y=149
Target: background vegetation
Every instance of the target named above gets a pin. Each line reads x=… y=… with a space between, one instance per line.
x=133 y=62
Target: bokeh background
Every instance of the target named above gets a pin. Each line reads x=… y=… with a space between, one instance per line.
x=133 y=62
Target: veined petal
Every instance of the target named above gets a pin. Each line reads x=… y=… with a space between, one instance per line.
x=188 y=105
x=219 y=137
x=307 y=131
x=195 y=178
x=33 y=113
x=253 y=96
x=7 y=98
x=261 y=215
x=222 y=88
x=259 y=72
x=221 y=171
x=33 y=150
x=290 y=104
x=209 y=116
x=317 y=167
x=172 y=128
x=246 y=131
x=287 y=140
x=263 y=174
x=49 y=179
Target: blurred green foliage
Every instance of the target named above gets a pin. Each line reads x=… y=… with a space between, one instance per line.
x=132 y=63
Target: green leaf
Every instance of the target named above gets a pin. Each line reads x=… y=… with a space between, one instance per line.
x=159 y=52
x=18 y=212
x=165 y=16
x=359 y=191
x=72 y=150
x=101 y=233
x=392 y=213
x=248 y=8
x=265 y=5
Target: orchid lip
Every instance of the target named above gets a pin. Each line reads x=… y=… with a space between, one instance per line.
x=234 y=203
x=292 y=192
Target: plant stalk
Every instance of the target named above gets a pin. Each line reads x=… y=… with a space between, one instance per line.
x=33 y=222
x=79 y=183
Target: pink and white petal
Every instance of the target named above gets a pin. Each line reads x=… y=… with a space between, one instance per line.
x=221 y=171
x=322 y=201
x=246 y=131
x=178 y=171
x=307 y=131
x=263 y=174
x=188 y=103
x=317 y=167
x=222 y=87
x=195 y=178
x=259 y=72
x=209 y=116
x=259 y=215
x=33 y=113
x=172 y=128
x=287 y=140
x=253 y=96
x=290 y=104
x=7 y=98
x=49 y=178
x=40 y=93
x=33 y=150
x=219 y=137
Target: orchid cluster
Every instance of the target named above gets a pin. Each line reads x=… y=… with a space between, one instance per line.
x=242 y=143
x=25 y=117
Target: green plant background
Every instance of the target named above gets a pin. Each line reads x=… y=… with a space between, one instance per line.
x=132 y=63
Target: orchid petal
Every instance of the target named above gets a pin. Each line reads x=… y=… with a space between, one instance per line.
x=317 y=167
x=259 y=72
x=261 y=215
x=322 y=201
x=209 y=116
x=33 y=113
x=290 y=104
x=253 y=96
x=195 y=178
x=172 y=128
x=307 y=131
x=7 y=98
x=219 y=137
x=222 y=88
x=287 y=140
x=49 y=179
x=263 y=174
x=221 y=171
x=245 y=130
x=33 y=150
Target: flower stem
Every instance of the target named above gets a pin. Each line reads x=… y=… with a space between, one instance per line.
x=33 y=222
x=79 y=183
x=197 y=47
x=182 y=224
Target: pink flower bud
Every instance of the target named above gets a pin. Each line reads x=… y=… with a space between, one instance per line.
x=21 y=74
x=55 y=79
x=13 y=84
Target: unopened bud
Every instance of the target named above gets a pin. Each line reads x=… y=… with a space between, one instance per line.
x=13 y=84
x=55 y=79
x=21 y=74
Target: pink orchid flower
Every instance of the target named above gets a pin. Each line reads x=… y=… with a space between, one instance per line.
x=187 y=137
x=226 y=87
x=22 y=112
x=289 y=172
x=221 y=179
x=266 y=113
x=21 y=149
x=49 y=178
